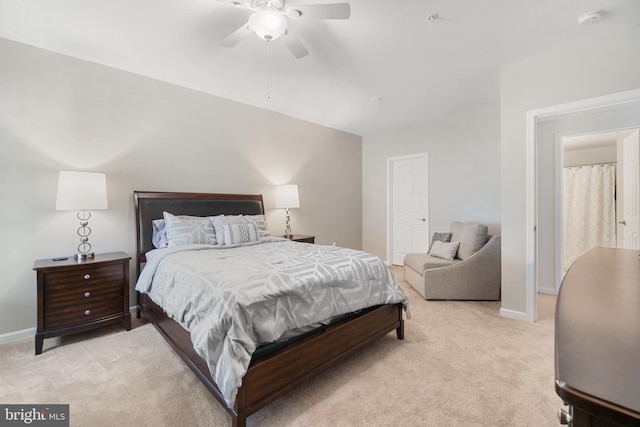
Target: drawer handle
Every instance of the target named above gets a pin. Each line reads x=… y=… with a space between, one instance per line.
x=87 y=312
x=87 y=294
x=87 y=277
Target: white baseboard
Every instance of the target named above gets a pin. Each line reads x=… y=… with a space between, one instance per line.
x=550 y=291
x=17 y=335
x=512 y=314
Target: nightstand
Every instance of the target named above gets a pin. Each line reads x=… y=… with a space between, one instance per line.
x=75 y=296
x=302 y=238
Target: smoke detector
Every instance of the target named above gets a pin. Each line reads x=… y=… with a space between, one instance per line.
x=591 y=17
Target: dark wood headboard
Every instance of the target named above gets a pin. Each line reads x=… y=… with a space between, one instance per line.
x=149 y=205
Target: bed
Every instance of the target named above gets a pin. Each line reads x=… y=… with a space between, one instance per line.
x=281 y=368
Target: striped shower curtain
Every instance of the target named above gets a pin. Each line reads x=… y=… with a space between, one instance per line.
x=589 y=210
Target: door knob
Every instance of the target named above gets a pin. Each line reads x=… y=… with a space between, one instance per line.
x=623 y=222
x=422 y=219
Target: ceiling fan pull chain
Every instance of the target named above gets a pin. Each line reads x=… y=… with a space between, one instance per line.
x=269 y=70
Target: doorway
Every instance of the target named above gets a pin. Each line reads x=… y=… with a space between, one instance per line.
x=616 y=111
x=598 y=190
x=407 y=206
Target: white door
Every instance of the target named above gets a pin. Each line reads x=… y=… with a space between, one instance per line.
x=409 y=206
x=630 y=191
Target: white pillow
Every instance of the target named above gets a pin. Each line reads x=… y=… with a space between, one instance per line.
x=261 y=224
x=189 y=230
x=220 y=221
x=445 y=250
x=159 y=235
x=240 y=233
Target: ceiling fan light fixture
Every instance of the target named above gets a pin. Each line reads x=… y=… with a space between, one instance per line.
x=267 y=24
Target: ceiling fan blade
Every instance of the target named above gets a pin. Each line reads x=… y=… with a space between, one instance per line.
x=237 y=3
x=237 y=36
x=320 y=11
x=294 y=44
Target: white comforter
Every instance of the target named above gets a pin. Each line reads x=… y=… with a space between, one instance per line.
x=232 y=300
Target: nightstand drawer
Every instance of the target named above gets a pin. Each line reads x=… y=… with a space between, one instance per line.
x=61 y=296
x=84 y=276
x=83 y=313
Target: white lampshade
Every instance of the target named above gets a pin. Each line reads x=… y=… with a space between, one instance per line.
x=267 y=24
x=287 y=196
x=81 y=191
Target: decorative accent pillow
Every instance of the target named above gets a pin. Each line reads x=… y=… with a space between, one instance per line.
x=472 y=237
x=444 y=250
x=261 y=224
x=240 y=233
x=220 y=221
x=440 y=237
x=159 y=234
x=185 y=230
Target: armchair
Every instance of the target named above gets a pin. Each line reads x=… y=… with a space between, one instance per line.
x=476 y=277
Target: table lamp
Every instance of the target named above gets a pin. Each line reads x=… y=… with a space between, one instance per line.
x=286 y=198
x=84 y=192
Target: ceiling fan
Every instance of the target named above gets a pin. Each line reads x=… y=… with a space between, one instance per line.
x=268 y=20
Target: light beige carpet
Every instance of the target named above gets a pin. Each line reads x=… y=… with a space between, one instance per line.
x=461 y=364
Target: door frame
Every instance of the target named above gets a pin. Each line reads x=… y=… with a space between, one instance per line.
x=390 y=162
x=534 y=117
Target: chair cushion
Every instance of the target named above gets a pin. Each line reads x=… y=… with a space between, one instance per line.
x=472 y=238
x=420 y=262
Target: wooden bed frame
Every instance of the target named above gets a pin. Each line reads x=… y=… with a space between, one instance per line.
x=273 y=375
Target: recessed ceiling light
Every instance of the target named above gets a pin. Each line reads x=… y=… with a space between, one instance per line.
x=591 y=17
x=432 y=17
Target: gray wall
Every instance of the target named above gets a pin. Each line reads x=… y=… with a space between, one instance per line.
x=59 y=113
x=464 y=173
x=603 y=66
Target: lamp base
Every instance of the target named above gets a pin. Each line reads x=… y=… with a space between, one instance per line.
x=287 y=231
x=84 y=248
x=82 y=257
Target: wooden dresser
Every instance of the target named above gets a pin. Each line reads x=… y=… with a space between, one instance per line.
x=597 y=340
x=75 y=296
